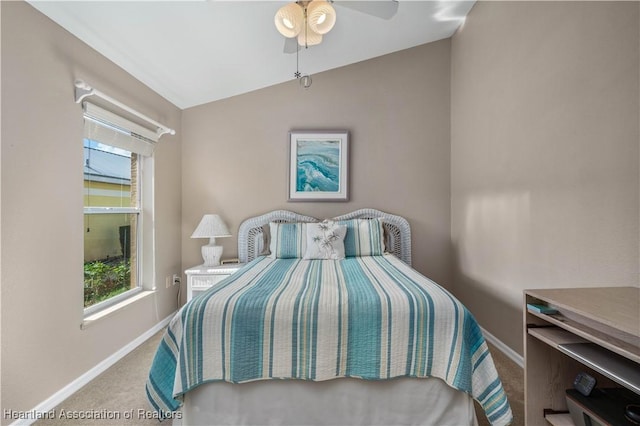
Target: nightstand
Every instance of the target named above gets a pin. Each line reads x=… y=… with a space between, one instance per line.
x=201 y=278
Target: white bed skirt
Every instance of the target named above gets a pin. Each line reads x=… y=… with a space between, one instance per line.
x=404 y=401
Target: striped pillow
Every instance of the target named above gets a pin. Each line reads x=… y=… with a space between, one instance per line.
x=288 y=240
x=365 y=237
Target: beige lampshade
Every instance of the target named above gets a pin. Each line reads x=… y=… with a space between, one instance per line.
x=211 y=226
x=289 y=20
x=321 y=16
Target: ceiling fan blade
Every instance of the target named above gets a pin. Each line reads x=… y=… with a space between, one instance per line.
x=382 y=9
x=291 y=45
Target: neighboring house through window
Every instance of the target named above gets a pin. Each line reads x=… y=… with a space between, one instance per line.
x=117 y=166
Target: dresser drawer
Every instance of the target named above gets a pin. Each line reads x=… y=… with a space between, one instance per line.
x=201 y=278
x=206 y=281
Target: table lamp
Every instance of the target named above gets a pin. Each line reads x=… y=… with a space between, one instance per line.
x=212 y=227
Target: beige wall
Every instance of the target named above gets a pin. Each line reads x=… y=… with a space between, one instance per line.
x=516 y=141
x=43 y=348
x=396 y=109
x=544 y=153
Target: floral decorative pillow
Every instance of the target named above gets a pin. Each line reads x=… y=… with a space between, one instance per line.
x=365 y=237
x=288 y=240
x=325 y=240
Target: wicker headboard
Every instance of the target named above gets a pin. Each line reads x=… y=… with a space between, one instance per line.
x=251 y=235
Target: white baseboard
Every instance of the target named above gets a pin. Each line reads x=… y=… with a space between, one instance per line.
x=509 y=353
x=64 y=393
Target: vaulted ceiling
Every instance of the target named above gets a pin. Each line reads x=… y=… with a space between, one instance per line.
x=194 y=52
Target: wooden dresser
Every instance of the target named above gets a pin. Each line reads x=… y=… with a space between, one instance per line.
x=595 y=330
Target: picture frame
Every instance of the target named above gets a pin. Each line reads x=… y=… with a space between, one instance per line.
x=319 y=165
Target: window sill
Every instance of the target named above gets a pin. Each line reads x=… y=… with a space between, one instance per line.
x=103 y=313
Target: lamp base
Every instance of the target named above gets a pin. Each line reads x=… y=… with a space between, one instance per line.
x=211 y=254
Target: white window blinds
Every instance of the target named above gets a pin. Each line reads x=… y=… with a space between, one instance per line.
x=111 y=129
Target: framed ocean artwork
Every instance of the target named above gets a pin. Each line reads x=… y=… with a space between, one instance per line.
x=318 y=165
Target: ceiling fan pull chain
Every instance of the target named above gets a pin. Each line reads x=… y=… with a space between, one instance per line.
x=304 y=80
x=297 y=73
x=306 y=27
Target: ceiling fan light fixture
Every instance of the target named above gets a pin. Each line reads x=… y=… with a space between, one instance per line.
x=321 y=16
x=307 y=37
x=289 y=20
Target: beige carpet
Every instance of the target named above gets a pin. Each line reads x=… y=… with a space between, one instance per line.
x=119 y=391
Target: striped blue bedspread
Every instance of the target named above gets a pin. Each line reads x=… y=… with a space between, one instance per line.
x=369 y=317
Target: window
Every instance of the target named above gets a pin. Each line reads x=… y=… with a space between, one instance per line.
x=116 y=153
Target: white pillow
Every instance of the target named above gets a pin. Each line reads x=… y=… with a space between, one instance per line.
x=325 y=240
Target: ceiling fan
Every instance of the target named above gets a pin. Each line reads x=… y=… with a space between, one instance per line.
x=304 y=22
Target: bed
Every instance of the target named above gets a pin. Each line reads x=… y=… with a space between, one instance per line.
x=326 y=324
